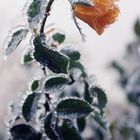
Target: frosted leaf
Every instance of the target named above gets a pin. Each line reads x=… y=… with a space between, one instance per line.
x=27 y=56
x=59 y=37
x=14 y=38
x=34 y=10
x=53 y=60
x=14 y=110
x=76 y=73
x=16 y=105
x=73 y=54
x=69 y=132
x=78 y=65
x=81 y=2
x=50 y=127
x=35 y=85
x=73 y=107
x=81 y=124
x=30 y=106
x=101 y=96
x=87 y=95
x=56 y=84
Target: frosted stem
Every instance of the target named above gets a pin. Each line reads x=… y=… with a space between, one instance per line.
x=48 y=8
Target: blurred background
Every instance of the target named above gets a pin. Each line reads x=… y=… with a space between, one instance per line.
x=97 y=51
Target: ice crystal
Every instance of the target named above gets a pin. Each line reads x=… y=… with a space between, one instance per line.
x=14 y=38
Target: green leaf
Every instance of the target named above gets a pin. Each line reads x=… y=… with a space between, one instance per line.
x=74 y=55
x=79 y=66
x=137 y=28
x=73 y=108
x=99 y=119
x=35 y=11
x=56 y=84
x=81 y=123
x=123 y=77
x=55 y=61
x=118 y=67
x=101 y=96
x=59 y=37
x=69 y=132
x=35 y=85
x=30 y=106
x=50 y=130
x=27 y=58
x=14 y=39
x=24 y=132
x=87 y=95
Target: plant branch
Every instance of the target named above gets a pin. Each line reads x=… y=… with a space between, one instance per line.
x=48 y=8
x=78 y=27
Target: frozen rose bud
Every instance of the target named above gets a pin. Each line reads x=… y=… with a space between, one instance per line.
x=98 y=15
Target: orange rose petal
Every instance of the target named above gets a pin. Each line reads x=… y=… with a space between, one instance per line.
x=103 y=13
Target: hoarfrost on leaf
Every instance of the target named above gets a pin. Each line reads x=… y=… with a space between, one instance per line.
x=78 y=65
x=27 y=56
x=81 y=124
x=71 y=108
x=59 y=37
x=55 y=61
x=14 y=38
x=73 y=54
x=14 y=110
x=34 y=11
x=56 y=84
x=35 y=85
x=101 y=96
x=51 y=127
x=30 y=106
x=75 y=73
x=81 y=2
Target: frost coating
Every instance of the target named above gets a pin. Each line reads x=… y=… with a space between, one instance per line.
x=76 y=74
x=14 y=38
x=34 y=11
x=30 y=106
x=84 y=2
x=14 y=110
x=56 y=84
x=27 y=56
x=73 y=107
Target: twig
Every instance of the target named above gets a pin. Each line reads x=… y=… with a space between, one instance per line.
x=48 y=8
x=79 y=29
x=76 y=23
